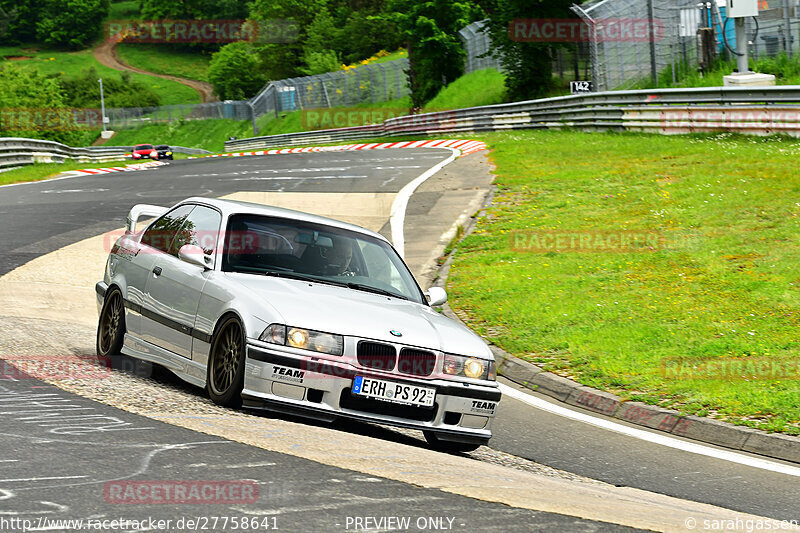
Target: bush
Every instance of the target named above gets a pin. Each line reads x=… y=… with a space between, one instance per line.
x=71 y=23
x=84 y=91
x=320 y=62
x=33 y=106
x=234 y=72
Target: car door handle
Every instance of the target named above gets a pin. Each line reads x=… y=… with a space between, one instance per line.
x=157 y=271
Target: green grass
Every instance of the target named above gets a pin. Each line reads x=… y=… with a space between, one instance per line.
x=478 y=88
x=52 y=61
x=482 y=87
x=212 y=134
x=127 y=9
x=399 y=54
x=785 y=69
x=207 y=134
x=163 y=59
x=40 y=171
x=729 y=288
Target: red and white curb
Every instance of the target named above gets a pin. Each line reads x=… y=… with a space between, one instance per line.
x=129 y=168
x=465 y=147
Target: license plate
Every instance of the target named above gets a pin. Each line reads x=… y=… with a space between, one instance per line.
x=391 y=391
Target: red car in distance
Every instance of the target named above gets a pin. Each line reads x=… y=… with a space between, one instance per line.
x=144 y=151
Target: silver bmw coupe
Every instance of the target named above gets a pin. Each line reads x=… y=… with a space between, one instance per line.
x=277 y=309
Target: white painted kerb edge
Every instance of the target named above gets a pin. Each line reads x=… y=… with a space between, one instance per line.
x=655 y=438
x=398 y=214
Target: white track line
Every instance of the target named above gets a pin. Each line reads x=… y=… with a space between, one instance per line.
x=655 y=438
x=398 y=216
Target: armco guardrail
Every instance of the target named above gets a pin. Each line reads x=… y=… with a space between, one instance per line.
x=16 y=152
x=175 y=149
x=762 y=111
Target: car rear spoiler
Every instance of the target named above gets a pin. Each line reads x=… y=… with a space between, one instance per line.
x=142 y=210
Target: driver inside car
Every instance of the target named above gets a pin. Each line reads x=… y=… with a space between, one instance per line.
x=339 y=257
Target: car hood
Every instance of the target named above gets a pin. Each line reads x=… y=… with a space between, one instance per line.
x=357 y=313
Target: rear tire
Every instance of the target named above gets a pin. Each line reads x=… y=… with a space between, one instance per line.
x=450 y=446
x=225 y=372
x=111 y=326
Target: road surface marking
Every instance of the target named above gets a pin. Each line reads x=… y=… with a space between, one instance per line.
x=655 y=438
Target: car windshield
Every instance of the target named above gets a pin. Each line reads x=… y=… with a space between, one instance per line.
x=262 y=245
x=144 y=147
x=162 y=147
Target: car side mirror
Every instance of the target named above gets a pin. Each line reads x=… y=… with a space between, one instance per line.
x=194 y=255
x=436 y=296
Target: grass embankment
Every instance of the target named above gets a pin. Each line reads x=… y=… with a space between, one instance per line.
x=166 y=60
x=478 y=88
x=207 y=134
x=40 y=171
x=53 y=62
x=482 y=87
x=729 y=289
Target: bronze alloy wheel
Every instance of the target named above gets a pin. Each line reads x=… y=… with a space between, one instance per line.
x=111 y=328
x=226 y=365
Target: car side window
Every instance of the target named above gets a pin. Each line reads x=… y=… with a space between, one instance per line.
x=201 y=228
x=162 y=234
x=379 y=267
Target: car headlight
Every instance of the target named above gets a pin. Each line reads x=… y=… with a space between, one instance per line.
x=153 y=154
x=305 y=339
x=470 y=367
x=169 y=153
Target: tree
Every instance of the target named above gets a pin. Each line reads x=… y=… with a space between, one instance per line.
x=435 y=53
x=528 y=66
x=193 y=9
x=364 y=33
x=318 y=55
x=33 y=106
x=234 y=72
x=71 y=23
x=19 y=22
x=285 y=60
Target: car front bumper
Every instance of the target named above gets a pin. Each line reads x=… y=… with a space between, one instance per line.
x=321 y=389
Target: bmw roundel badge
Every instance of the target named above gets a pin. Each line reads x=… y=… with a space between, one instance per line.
x=395 y=333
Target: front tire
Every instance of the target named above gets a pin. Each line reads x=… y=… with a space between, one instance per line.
x=111 y=327
x=450 y=446
x=225 y=372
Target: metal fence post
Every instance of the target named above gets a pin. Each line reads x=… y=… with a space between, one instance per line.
x=383 y=73
x=253 y=118
x=788 y=25
x=651 y=15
